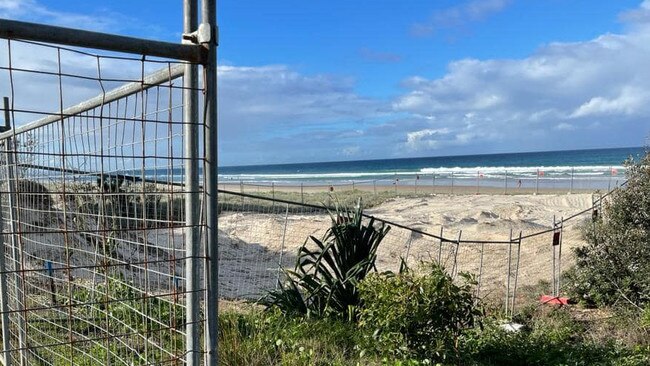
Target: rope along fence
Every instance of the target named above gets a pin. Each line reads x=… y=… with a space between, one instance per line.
x=95 y=232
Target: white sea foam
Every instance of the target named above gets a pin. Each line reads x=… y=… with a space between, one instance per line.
x=558 y=172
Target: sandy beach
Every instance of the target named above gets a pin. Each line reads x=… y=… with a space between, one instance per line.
x=253 y=243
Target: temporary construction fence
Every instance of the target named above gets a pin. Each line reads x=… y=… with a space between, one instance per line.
x=108 y=204
x=259 y=236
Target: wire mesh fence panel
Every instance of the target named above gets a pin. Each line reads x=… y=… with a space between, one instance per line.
x=93 y=209
x=258 y=237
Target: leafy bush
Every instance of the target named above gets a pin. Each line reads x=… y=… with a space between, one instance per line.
x=269 y=338
x=614 y=266
x=417 y=315
x=325 y=279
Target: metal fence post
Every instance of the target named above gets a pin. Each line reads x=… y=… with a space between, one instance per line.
x=537 y=182
x=455 y=267
x=193 y=245
x=4 y=293
x=209 y=19
x=16 y=254
x=440 y=248
x=571 y=187
x=284 y=235
x=507 y=302
x=505 y=189
x=302 y=194
x=480 y=272
x=514 y=290
x=4 y=304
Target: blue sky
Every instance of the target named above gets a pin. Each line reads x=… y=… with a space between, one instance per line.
x=342 y=80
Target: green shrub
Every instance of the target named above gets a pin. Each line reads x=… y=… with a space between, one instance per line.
x=416 y=315
x=327 y=273
x=269 y=338
x=614 y=267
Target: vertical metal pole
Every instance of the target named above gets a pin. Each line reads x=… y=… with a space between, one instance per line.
x=193 y=244
x=16 y=253
x=537 y=182
x=273 y=196
x=284 y=235
x=559 y=258
x=416 y=185
x=514 y=289
x=4 y=299
x=508 y=274
x=505 y=189
x=4 y=291
x=209 y=18
x=571 y=188
x=302 y=194
x=455 y=268
x=374 y=186
x=352 y=185
x=440 y=248
x=480 y=271
x=553 y=266
x=478 y=181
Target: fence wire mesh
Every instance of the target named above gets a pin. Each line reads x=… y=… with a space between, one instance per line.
x=93 y=209
x=260 y=236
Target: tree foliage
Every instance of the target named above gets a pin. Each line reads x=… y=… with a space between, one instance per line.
x=614 y=266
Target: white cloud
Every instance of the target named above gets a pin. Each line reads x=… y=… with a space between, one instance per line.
x=630 y=100
x=425 y=139
x=32 y=10
x=272 y=96
x=601 y=85
x=638 y=15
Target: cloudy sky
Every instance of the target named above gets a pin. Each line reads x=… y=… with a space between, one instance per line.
x=346 y=80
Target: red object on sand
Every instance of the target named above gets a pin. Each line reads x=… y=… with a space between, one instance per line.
x=555 y=300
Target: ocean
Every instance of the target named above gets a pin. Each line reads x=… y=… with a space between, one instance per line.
x=594 y=168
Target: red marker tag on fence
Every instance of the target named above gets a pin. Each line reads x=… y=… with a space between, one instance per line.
x=614 y=171
x=540 y=173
